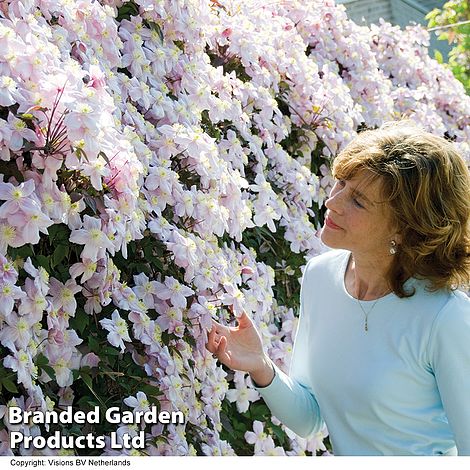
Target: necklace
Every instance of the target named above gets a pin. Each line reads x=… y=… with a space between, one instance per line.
x=366 y=314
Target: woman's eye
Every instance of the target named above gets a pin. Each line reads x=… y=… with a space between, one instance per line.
x=358 y=204
x=342 y=184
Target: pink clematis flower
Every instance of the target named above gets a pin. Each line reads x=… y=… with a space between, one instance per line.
x=171 y=320
x=39 y=275
x=17 y=198
x=5 y=136
x=63 y=295
x=270 y=448
x=118 y=332
x=139 y=402
x=19 y=132
x=243 y=396
x=93 y=303
x=174 y=291
x=31 y=224
x=141 y=323
x=97 y=78
x=17 y=333
x=235 y=298
x=94 y=239
x=8 y=294
x=63 y=360
x=87 y=268
x=257 y=437
x=90 y=360
x=55 y=337
x=184 y=250
x=7 y=271
x=21 y=362
x=96 y=170
x=5 y=448
x=8 y=92
x=145 y=289
x=82 y=121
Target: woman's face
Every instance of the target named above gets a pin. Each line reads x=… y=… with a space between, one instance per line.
x=356 y=220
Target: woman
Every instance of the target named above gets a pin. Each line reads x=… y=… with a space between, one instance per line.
x=382 y=352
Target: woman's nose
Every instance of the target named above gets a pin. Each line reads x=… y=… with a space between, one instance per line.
x=333 y=202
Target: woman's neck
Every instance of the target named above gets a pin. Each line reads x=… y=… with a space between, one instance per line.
x=365 y=279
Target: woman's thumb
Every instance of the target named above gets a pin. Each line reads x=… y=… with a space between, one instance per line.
x=244 y=321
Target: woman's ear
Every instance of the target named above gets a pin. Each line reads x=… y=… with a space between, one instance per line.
x=398 y=238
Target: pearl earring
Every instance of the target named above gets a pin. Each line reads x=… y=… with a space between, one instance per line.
x=393 y=244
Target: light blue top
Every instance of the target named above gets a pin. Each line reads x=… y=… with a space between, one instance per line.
x=401 y=388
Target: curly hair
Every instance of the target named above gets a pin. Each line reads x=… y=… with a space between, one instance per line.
x=426 y=183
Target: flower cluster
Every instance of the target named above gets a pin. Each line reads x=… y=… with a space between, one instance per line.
x=165 y=163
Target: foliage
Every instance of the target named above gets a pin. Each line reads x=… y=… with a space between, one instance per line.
x=452 y=13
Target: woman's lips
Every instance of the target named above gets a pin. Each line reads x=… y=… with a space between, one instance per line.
x=331 y=224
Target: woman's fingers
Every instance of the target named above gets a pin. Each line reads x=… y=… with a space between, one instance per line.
x=217 y=340
x=219 y=328
x=221 y=352
x=211 y=339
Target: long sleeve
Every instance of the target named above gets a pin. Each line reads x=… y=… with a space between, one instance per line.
x=449 y=349
x=289 y=397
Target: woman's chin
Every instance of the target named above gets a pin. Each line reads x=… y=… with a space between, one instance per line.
x=329 y=239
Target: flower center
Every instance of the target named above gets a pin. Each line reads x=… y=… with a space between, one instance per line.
x=95 y=234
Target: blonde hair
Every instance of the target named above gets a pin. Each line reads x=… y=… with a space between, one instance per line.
x=426 y=183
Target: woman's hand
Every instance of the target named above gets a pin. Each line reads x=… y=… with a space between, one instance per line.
x=241 y=348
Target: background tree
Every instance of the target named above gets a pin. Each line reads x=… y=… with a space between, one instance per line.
x=455 y=17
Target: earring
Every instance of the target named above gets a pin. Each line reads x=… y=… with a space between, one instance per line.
x=393 y=244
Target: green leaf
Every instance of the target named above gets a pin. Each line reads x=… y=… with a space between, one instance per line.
x=62 y=272
x=103 y=156
x=23 y=252
x=89 y=383
x=93 y=344
x=158 y=264
x=226 y=423
x=44 y=262
x=74 y=430
x=259 y=412
x=41 y=360
x=59 y=254
x=87 y=379
x=140 y=268
x=238 y=425
x=81 y=153
x=149 y=390
x=111 y=351
x=58 y=232
x=49 y=371
x=80 y=321
x=438 y=56
x=279 y=433
x=127 y=10
x=82 y=402
x=9 y=385
x=432 y=15
x=159 y=31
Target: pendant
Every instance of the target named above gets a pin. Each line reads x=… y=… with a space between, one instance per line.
x=365 y=325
